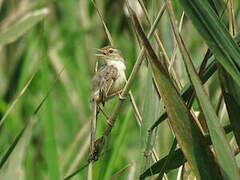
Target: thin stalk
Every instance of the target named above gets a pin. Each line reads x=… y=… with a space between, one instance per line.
x=22 y=92
x=133 y=74
x=160 y=45
x=68 y=153
x=79 y=157
x=72 y=94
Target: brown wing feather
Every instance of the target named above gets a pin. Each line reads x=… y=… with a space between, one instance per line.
x=103 y=81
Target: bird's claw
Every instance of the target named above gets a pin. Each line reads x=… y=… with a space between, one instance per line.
x=121 y=97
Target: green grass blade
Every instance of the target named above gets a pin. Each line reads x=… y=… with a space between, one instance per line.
x=187 y=133
x=168 y=161
x=215 y=34
x=11 y=148
x=223 y=152
x=237 y=38
x=76 y=172
x=117 y=174
x=15 y=143
x=25 y=24
x=108 y=34
x=231 y=94
x=150 y=107
x=22 y=92
x=14 y=165
x=48 y=119
x=176 y=160
x=187 y=91
x=118 y=141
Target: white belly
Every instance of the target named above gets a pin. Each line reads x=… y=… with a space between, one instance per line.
x=119 y=82
x=121 y=79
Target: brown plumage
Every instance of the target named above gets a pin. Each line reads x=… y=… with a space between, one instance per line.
x=102 y=83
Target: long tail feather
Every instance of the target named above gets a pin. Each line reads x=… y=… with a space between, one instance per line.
x=92 y=139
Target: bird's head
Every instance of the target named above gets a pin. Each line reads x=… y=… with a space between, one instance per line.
x=109 y=53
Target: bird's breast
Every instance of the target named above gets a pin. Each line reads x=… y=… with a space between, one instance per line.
x=119 y=82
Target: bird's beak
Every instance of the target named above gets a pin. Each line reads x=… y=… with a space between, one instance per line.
x=102 y=54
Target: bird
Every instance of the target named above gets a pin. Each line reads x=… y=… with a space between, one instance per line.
x=110 y=78
x=107 y=83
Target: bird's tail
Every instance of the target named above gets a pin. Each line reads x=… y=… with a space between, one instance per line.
x=92 y=139
x=93 y=128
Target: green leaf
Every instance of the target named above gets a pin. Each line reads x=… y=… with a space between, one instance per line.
x=118 y=173
x=13 y=104
x=187 y=133
x=18 y=142
x=187 y=90
x=76 y=172
x=21 y=27
x=168 y=161
x=149 y=114
x=231 y=94
x=48 y=119
x=12 y=161
x=11 y=148
x=215 y=34
x=175 y=160
x=149 y=107
x=118 y=141
x=222 y=149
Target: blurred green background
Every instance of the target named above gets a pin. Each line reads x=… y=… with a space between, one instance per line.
x=54 y=52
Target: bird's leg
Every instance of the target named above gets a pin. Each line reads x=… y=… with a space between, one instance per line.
x=121 y=97
x=106 y=115
x=118 y=93
x=113 y=95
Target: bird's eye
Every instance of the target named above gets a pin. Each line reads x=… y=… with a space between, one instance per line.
x=110 y=51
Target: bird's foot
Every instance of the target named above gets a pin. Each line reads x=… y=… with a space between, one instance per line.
x=121 y=97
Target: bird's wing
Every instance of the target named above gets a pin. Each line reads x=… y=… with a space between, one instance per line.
x=103 y=81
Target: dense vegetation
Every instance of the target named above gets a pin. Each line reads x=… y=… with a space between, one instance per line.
x=181 y=120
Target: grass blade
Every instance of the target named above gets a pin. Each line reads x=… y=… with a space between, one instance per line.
x=15 y=161
x=11 y=148
x=187 y=133
x=231 y=96
x=22 y=92
x=26 y=23
x=167 y=162
x=215 y=35
x=118 y=141
x=187 y=91
x=76 y=172
x=220 y=144
x=176 y=160
x=117 y=174
x=47 y=117
x=150 y=107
